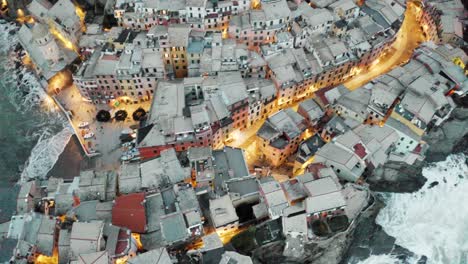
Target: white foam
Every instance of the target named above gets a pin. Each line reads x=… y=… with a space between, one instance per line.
x=45 y=154
x=6 y=37
x=381 y=259
x=47 y=120
x=433 y=221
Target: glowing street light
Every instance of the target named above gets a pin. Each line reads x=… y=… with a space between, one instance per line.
x=81 y=14
x=255 y=4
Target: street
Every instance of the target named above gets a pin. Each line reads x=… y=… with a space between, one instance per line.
x=407 y=40
x=106 y=140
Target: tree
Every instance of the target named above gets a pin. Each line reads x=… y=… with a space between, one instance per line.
x=120 y=115
x=139 y=114
x=103 y=116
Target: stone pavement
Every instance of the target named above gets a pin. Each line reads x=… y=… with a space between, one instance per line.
x=106 y=141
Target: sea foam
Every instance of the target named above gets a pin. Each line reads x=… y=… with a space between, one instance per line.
x=46 y=127
x=433 y=221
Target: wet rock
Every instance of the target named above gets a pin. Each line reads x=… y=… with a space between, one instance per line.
x=422 y=260
x=433 y=184
x=370 y=239
x=451 y=137
x=397 y=177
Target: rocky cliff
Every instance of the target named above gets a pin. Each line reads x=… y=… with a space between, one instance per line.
x=369 y=237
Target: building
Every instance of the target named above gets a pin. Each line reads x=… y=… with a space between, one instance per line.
x=27 y=197
x=353 y=104
x=163 y=171
x=296 y=226
x=409 y=146
x=63 y=17
x=47 y=54
x=280 y=135
x=129 y=179
x=202 y=170
x=36 y=234
x=347 y=164
x=223 y=214
x=311 y=111
x=128 y=77
x=272 y=195
x=176 y=52
x=119 y=242
x=86 y=238
x=325 y=198
x=92 y=186
x=262 y=98
x=259 y=26
x=234 y=257
x=159 y=255
x=347 y=10
x=207 y=111
x=173 y=216
x=129 y=211
x=63 y=194
x=306 y=151
x=424 y=104
x=379 y=142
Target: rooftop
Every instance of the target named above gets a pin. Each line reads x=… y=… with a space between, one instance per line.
x=222 y=211
x=231 y=257
x=322 y=186
x=173 y=228
x=155 y=256
x=162 y=171
x=324 y=202
x=129 y=211
x=86 y=238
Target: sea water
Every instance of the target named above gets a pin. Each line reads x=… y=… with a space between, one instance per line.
x=433 y=221
x=32 y=133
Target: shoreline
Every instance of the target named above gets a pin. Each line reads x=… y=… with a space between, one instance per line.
x=69 y=162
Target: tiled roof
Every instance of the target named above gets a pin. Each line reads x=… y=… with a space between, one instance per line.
x=129 y=212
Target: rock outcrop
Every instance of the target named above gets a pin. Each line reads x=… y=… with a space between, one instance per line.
x=370 y=239
x=450 y=138
x=397 y=177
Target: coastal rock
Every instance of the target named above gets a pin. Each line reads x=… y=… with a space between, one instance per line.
x=397 y=177
x=370 y=239
x=450 y=138
x=319 y=250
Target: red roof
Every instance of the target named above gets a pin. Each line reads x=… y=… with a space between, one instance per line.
x=129 y=211
x=122 y=243
x=418 y=149
x=360 y=150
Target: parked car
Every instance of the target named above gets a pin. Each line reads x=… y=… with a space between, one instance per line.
x=88 y=135
x=125 y=158
x=135 y=151
x=83 y=124
x=127 y=144
x=135 y=159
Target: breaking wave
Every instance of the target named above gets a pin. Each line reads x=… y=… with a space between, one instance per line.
x=381 y=259
x=45 y=153
x=32 y=122
x=433 y=221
